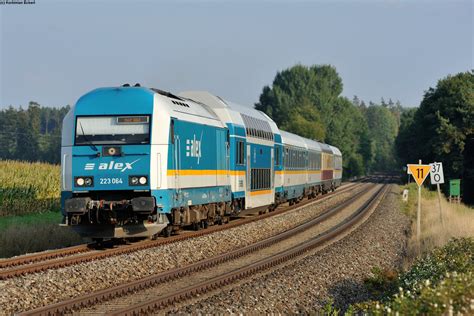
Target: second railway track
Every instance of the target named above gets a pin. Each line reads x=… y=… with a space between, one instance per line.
x=83 y=253
x=174 y=293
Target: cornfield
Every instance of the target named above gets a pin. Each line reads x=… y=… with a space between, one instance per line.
x=28 y=187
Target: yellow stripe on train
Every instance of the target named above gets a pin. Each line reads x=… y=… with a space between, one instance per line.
x=260 y=192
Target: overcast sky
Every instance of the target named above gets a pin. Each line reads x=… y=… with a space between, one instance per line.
x=52 y=52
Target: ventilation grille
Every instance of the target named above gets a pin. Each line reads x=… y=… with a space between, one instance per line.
x=180 y=103
x=257 y=128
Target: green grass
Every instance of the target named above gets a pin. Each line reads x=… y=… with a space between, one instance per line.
x=30 y=219
x=29 y=233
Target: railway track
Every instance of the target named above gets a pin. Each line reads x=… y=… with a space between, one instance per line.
x=173 y=293
x=84 y=253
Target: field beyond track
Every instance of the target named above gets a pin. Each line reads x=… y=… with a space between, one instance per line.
x=27 y=188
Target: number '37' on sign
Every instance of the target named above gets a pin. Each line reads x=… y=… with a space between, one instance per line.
x=436 y=173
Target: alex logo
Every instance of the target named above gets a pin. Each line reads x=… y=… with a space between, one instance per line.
x=112 y=165
x=193 y=147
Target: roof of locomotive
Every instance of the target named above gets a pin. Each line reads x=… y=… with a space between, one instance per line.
x=125 y=100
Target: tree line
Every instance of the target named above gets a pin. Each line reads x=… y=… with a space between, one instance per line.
x=307 y=100
x=32 y=134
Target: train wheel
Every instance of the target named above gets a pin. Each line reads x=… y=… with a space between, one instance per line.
x=167 y=231
x=99 y=242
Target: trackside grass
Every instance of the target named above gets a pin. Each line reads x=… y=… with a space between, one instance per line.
x=28 y=187
x=458 y=221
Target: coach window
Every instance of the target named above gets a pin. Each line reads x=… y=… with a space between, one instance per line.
x=240 y=152
x=277 y=156
x=172 y=131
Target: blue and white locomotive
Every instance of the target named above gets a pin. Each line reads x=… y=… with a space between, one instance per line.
x=139 y=161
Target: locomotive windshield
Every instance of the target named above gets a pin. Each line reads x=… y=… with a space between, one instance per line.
x=112 y=130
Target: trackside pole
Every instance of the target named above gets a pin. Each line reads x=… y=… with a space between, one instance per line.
x=418 y=214
x=440 y=209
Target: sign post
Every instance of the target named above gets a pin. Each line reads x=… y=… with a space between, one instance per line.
x=419 y=173
x=437 y=177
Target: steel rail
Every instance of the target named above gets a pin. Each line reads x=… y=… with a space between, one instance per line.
x=162 y=302
x=107 y=294
x=60 y=262
x=41 y=256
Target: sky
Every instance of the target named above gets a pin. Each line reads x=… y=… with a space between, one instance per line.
x=52 y=52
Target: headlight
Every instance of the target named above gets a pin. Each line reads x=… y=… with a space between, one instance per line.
x=134 y=181
x=84 y=181
x=88 y=182
x=137 y=180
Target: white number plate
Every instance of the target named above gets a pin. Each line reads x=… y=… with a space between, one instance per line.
x=110 y=180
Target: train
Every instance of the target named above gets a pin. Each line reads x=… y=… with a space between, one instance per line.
x=140 y=162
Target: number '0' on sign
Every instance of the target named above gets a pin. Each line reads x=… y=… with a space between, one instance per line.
x=436 y=173
x=419 y=172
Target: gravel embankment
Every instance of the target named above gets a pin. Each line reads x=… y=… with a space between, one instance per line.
x=32 y=291
x=336 y=272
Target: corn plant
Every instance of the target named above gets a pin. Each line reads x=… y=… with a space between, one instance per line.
x=28 y=187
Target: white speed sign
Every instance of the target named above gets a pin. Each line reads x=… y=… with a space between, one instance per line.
x=436 y=173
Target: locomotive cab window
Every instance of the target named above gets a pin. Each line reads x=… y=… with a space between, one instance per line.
x=112 y=130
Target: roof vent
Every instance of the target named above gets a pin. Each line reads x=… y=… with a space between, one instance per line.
x=137 y=85
x=180 y=103
x=126 y=85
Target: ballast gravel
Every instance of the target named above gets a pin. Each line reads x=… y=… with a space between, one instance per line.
x=336 y=273
x=43 y=288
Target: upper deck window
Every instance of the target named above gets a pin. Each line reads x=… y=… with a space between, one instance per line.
x=257 y=128
x=112 y=130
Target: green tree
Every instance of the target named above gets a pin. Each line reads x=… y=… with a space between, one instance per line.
x=299 y=87
x=383 y=130
x=347 y=130
x=8 y=126
x=307 y=101
x=33 y=134
x=305 y=121
x=442 y=129
x=405 y=142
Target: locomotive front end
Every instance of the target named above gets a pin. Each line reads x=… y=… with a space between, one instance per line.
x=106 y=167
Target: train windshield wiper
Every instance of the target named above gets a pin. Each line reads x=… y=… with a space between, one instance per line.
x=86 y=139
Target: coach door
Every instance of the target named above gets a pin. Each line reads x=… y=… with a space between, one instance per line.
x=248 y=179
x=272 y=175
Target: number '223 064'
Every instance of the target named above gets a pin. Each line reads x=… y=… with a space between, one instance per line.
x=110 y=180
